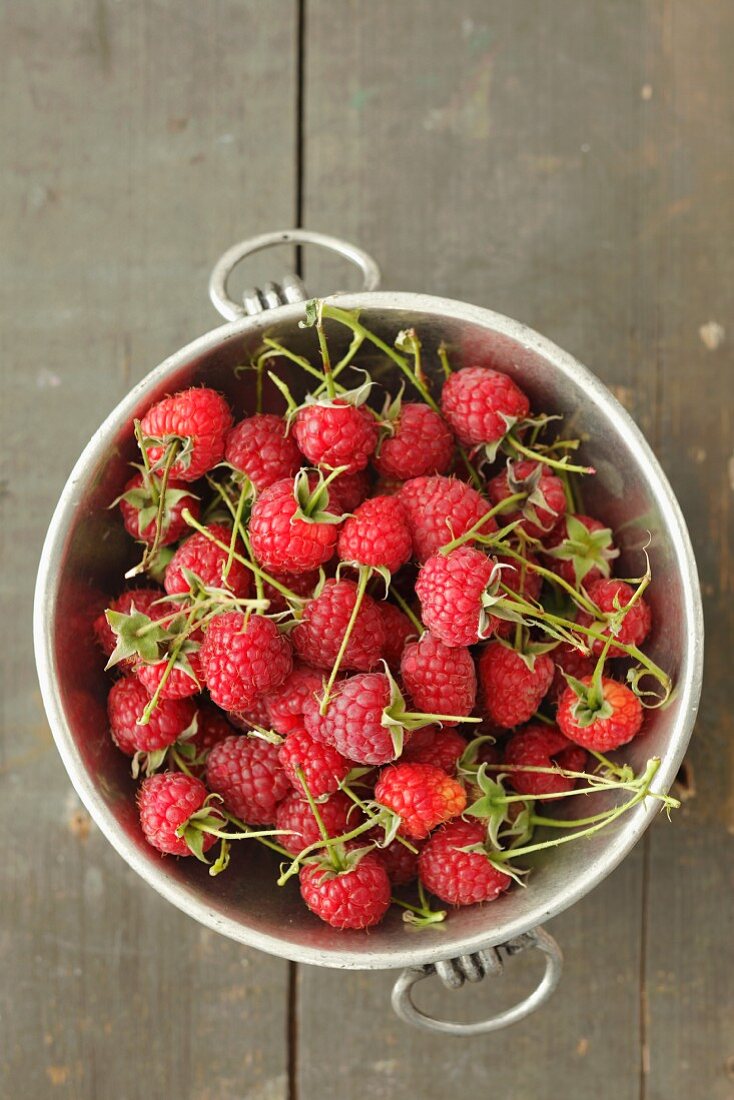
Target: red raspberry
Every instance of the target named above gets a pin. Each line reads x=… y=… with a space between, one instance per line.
x=443 y=749
x=323 y=767
x=261 y=448
x=353 y=721
x=178 y=683
x=421 y=795
x=285 y=704
x=349 y=490
x=398 y=629
x=199 y=555
x=602 y=729
x=295 y=814
x=609 y=596
x=283 y=543
x=455 y=876
x=568 y=659
x=246 y=772
x=439 y=679
x=198 y=417
x=125 y=705
x=143 y=600
x=420 y=445
x=320 y=632
x=478 y=402
x=546 y=502
x=440 y=509
x=539 y=746
x=450 y=588
x=138 y=504
x=400 y=863
x=513 y=689
x=165 y=802
x=336 y=435
x=355 y=898
x=377 y=534
x=242 y=659
x=584 y=554
x=300 y=584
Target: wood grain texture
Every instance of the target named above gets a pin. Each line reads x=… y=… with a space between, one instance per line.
x=689 y=952
x=491 y=153
x=133 y=150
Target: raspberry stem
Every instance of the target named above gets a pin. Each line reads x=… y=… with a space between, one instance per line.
x=256 y=835
x=333 y=855
x=407 y=609
x=578 y=597
x=364 y=576
x=173 y=657
x=289 y=595
x=421 y=916
x=325 y=357
x=473 y=532
x=536 y=456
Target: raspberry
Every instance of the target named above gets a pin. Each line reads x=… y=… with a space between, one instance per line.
x=139 y=509
x=242 y=659
x=284 y=543
x=421 y=444
x=450 y=588
x=319 y=634
x=165 y=802
x=513 y=685
x=337 y=434
x=358 y=897
x=601 y=728
x=142 y=600
x=349 y=490
x=200 y=418
x=440 y=509
x=178 y=684
x=580 y=550
x=546 y=502
x=398 y=629
x=295 y=815
x=421 y=795
x=199 y=555
x=400 y=863
x=480 y=404
x=455 y=876
x=261 y=448
x=442 y=748
x=377 y=535
x=609 y=596
x=300 y=584
x=539 y=746
x=439 y=679
x=323 y=767
x=353 y=721
x=568 y=659
x=285 y=704
x=246 y=772
x=125 y=705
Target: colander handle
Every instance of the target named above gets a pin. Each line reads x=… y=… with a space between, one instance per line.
x=290 y=289
x=454 y=972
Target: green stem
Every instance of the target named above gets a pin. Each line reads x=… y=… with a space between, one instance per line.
x=364 y=576
x=244 y=489
x=476 y=527
x=406 y=608
x=325 y=359
x=256 y=836
x=580 y=599
x=554 y=463
x=436 y=717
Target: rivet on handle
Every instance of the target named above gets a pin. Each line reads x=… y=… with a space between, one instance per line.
x=291 y=289
x=454 y=972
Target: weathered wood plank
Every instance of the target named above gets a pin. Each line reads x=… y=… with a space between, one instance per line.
x=139 y=140
x=690 y=957
x=491 y=152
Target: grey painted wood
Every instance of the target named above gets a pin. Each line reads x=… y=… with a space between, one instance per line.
x=139 y=139
x=689 y=952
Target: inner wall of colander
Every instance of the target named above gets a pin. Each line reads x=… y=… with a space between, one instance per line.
x=98 y=551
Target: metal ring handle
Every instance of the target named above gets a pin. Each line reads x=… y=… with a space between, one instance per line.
x=472 y=968
x=291 y=289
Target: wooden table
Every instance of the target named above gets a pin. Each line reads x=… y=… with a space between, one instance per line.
x=565 y=163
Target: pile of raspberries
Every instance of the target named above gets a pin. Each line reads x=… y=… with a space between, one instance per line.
x=373 y=638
